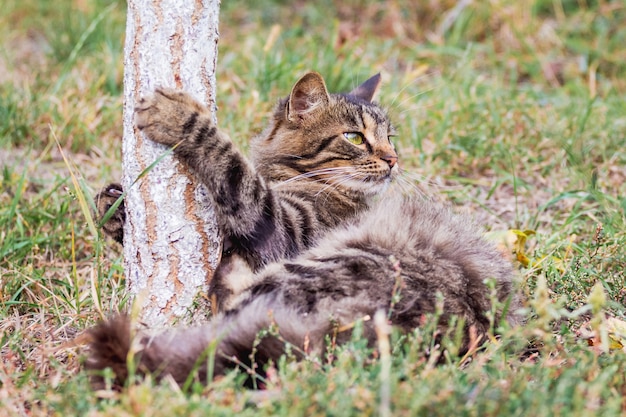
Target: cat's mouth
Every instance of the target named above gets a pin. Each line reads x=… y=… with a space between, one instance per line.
x=384 y=176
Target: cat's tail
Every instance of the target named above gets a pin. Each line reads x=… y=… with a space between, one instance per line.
x=109 y=343
x=249 y=337
x=175 y=352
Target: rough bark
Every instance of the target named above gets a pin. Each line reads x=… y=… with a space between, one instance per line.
x=171 y=240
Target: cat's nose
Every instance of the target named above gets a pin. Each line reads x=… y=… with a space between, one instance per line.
x=390 y=159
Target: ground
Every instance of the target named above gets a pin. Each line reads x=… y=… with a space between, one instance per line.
x=512 y=111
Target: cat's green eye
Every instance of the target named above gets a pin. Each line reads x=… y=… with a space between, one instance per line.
x=355 y=138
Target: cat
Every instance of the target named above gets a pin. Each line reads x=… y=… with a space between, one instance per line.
x=311 y=244
x=322 y=160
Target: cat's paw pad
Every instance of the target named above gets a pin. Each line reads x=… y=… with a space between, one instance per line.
x=105 y=199
x=168 y=115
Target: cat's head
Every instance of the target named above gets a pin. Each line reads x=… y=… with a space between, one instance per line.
x=341 y=140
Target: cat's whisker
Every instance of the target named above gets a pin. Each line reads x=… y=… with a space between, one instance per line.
x=289 y=155
x=415 y=108
x=415 y=177
x=418 y=94
x=327 y=180
x=409 y=187
x=318 y=172
x=410 y=176
x=310 y=180
x=336 y=181
x=323 y=170
x=411 y=83
x=403 y=185
x=426 y=182
x=337 y=184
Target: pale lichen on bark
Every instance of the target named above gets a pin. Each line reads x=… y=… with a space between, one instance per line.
x=171 y=242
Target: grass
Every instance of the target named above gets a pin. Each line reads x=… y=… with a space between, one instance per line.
x=513 y=111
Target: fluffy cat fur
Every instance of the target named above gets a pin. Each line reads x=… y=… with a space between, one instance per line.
x=306 y=247
x=305 y=176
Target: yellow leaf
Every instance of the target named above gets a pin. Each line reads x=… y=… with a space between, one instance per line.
x=617 y=332
x=519 y=247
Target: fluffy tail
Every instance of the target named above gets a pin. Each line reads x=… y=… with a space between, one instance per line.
x=109 y=346
x=235 y=339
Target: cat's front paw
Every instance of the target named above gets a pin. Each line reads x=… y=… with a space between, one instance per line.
x=105 y=199
x=168 y=116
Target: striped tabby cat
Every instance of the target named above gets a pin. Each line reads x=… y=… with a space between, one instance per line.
x=306 y=246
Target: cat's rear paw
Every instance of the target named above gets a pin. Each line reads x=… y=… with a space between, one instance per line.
x=168 y=116
x=105 y=199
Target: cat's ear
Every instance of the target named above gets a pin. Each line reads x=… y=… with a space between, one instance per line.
x=367 y=90
x=308 y=94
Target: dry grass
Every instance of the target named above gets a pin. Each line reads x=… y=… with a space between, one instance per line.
x=511 y=110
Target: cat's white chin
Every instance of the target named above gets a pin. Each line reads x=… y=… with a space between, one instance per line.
x=380 y=186
x=372 y=188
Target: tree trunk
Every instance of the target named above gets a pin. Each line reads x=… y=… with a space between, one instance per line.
x=171 y=241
